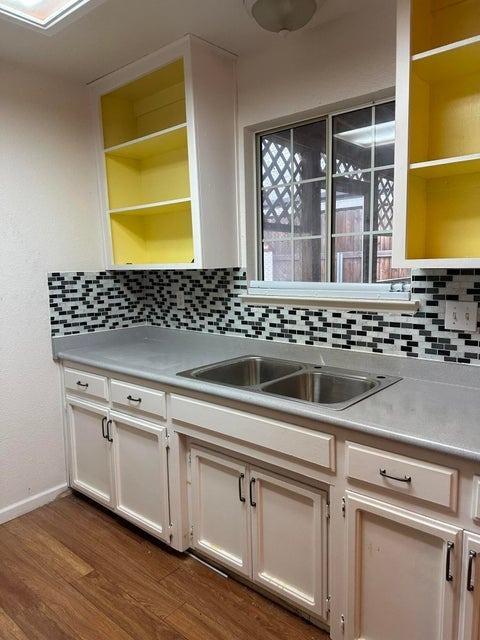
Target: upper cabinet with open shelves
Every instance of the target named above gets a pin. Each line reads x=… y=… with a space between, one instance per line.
x=166 y=134
x=437 y=192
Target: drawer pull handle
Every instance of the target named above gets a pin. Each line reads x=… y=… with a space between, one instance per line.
x=109 y=437
x=134 y=399
x=240 y=483
x=82 y=384
x=471 y=561
x=384 y=474
x=252 y=501
x=104 y=421
x=448 y=573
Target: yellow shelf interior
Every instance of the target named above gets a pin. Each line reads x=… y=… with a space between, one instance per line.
x=146 y=162
x=443 y=218
x=161 y=235
x=134 y=181
x=444 y=116
x=443 y=201
x=147 y=105
x=436 y=23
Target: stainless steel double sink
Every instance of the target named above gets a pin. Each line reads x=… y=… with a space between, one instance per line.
x=322 y=385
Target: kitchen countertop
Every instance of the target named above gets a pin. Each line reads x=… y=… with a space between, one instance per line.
x=436 y=405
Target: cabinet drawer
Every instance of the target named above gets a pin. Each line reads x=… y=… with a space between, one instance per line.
x=139 y=399
x=414 y=478
x=86 y=384
x=313 y=447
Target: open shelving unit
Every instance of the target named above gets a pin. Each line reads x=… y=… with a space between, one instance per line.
x=438 y=162
x=147 y=170
x=166 y=158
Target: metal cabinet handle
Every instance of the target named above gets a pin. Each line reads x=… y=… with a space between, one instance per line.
x=134 y=399
x=471 y=561
x=109 y=424
x=384 y=474
x=240 y=483
x=104 y=421
x=252 y=501
x=82 y=384
x=448 y=573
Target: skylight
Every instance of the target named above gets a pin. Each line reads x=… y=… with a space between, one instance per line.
x=44 y=14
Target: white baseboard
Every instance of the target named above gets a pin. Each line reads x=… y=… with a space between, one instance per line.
x=31 y=503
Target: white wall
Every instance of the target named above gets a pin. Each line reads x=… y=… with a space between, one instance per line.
x=49 y=222
x=308 y=72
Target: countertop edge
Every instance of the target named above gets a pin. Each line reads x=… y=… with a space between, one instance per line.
x=291 y=408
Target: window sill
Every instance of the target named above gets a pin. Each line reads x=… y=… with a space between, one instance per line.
x=348 y=304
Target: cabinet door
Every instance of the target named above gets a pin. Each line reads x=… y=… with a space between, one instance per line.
x=90 y=468
x=470 y=600
x=402 y=573
x=289 y=540
x=220 y=516
x=141 y=484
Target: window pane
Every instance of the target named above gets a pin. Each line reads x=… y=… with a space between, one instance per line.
x=383 y=213
x=276 y=211
x=382 y=261
x=352 y=141
x=277 y=261
x=309 y=151
x=350 y=259
x=351 y=203
x=310 y=260
x=384 y=134
x=309 y=200
x=276 y=158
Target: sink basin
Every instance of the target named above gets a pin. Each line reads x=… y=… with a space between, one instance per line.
x=322 y=388
x=245 y=372
x=322 y=385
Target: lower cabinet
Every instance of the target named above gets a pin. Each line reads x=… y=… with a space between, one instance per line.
x=470 y=599
x=268 y=528
x=122 y=463
x=403 y=572
x=141 y=473
x=90 y=454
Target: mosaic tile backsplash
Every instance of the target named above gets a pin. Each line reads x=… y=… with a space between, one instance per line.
x=85 y=302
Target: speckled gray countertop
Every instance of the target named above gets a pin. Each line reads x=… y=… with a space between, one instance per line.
x=436 y=405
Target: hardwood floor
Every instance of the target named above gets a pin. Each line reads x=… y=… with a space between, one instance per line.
x=71 y=570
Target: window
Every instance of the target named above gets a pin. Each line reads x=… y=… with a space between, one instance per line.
x=44 y=14
x=326 y=199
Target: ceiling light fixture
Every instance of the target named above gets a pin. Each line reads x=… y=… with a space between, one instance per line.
x=43 y=15
x=282 y=16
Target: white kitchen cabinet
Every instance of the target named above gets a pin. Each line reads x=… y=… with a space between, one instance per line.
x=220 y=518
x=140 y=472
x=166 y=159
x=90 y=450
x=403 y=573
x=289 y=539
x=268 y=528
x=121 y=462
x=470 y=589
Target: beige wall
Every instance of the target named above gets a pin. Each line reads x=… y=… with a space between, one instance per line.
x=307 y=72
x=49 y=221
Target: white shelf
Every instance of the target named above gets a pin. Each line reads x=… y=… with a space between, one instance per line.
x=447 y=166
x=458 y=59
x=165 y=206
x=153 y=144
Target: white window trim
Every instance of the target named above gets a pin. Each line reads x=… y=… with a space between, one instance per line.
x=358 y=296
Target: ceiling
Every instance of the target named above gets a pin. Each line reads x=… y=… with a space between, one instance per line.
x=120 y=31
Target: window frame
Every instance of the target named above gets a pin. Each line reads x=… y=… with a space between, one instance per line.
x=328 y=181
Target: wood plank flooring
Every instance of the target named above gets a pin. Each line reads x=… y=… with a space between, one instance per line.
x=71 y=570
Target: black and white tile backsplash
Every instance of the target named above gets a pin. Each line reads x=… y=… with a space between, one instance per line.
x=81 y=302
